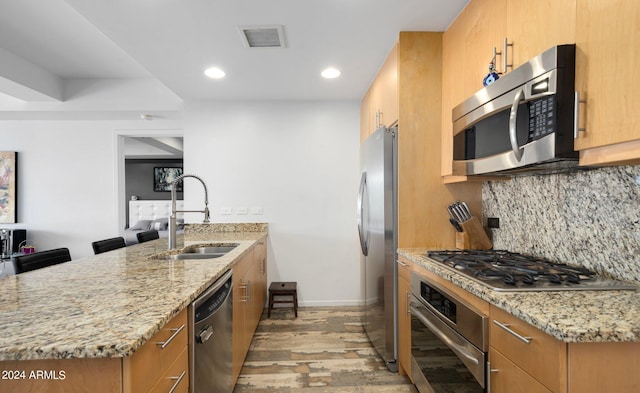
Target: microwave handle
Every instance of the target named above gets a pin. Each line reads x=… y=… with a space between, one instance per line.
x=513 y=119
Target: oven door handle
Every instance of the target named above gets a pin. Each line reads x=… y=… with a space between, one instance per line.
x=455 y=347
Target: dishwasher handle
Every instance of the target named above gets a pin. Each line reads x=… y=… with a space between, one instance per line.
x=205 y=334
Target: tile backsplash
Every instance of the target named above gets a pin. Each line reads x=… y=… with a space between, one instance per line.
x=586 y=218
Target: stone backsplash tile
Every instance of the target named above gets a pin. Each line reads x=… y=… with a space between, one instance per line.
x=586 y=218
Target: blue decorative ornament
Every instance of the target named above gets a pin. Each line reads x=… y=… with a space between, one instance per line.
x=492 y=76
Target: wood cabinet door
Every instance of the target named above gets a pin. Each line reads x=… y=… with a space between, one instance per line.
x=239 y=301
x=535 y=26
x=606 y=76
x=485 y=23
x=453 y=43
x=404 y=317
x=387 y=89
x=365 y=118
x=506 y=377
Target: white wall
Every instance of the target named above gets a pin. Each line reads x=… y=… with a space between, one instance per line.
x=299 y=162
x=296 y=160
x=65 y=170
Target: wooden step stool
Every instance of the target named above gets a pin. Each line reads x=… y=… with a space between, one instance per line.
x=283 y=289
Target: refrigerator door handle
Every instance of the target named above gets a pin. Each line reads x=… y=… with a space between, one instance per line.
x=361 y=231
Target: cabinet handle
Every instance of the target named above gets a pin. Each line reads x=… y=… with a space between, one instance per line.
x=402 y=264
x=245 y=287
x=177 y=381
x=406 y=303
x=504 y=56
x=489 y=371
x=248 y=291
x=264 y=263
x=576 y=114
x=505 y=326
x=496 y=53
x=163 y=344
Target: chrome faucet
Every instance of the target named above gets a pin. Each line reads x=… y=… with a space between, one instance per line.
x=174 y=211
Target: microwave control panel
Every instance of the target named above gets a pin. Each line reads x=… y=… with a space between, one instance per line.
x=541 y=117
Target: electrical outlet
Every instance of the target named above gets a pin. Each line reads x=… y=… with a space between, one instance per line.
x=256 y=210
x=241 y=210
x=225 y=211
x=493 y=222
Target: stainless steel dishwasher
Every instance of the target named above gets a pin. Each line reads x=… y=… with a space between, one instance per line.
x=210 y=338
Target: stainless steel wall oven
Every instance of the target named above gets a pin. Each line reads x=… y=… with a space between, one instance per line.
x=448 y=341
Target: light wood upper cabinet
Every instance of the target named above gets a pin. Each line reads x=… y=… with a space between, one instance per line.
x=531 y=26
x=379 y=106
x=535 y=26
x=606 y=77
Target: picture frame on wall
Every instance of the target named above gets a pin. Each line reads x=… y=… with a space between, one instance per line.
x=8 y=187
x=163 y=176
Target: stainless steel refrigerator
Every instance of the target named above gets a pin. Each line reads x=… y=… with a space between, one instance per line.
x=377 y=229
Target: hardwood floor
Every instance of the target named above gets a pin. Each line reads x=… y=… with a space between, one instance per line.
x=324 y=350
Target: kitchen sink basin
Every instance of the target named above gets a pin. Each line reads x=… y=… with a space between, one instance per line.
x=179 y=257
x=210 y=250
x=199 y=252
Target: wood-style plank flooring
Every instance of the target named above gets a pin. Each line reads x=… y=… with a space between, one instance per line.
x=324 y=350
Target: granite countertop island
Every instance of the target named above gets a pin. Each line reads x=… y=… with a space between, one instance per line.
x=569 y=316
x=109 y=305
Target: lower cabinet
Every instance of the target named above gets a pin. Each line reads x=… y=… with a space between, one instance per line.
x=163 y=360
x=524 y=359
x=529 y=351
x=249 y=294
x=404 y=317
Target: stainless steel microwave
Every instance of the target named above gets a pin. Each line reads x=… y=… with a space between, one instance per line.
x=523 y=122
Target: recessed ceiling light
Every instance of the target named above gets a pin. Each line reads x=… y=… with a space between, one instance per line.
x=330 y=73
x=214 y=72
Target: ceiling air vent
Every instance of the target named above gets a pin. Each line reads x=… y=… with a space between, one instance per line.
x=263 y=36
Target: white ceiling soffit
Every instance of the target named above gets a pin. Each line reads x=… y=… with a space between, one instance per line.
x=270 y=36
x=173 y=42
x=171 y=145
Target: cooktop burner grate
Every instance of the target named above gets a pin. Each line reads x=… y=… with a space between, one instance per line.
x=509 y=271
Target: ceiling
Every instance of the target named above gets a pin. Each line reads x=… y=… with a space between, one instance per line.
x=48 y=46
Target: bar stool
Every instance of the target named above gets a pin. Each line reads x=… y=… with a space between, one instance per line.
x=282 y=289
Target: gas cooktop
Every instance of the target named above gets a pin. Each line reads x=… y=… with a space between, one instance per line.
x=510 y=272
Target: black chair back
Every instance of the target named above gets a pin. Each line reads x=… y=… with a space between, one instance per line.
x=38 y=260
x=105 y=245
x=147 y=236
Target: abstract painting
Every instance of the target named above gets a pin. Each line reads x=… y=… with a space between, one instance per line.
x=162 y=178
x=8 y=187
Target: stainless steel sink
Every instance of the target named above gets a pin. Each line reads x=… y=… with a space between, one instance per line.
x=199 y=252
x=178 y=257
x=210 y=249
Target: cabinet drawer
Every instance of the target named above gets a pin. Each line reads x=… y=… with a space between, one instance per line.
x=143 y=369
x=506 y=377
x=541 y=356
x=176 y=377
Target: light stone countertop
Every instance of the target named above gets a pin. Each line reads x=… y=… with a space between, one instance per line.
x=569 y=316
x=109 y=305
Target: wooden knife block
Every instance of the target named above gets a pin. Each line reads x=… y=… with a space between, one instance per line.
x=474 y=236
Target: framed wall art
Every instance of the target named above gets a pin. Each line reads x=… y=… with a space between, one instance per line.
x=163 y=176
x=8 y=187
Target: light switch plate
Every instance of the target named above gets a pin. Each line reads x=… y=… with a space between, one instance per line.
x=241 y=210
x=256 y=210
x=225 y=211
